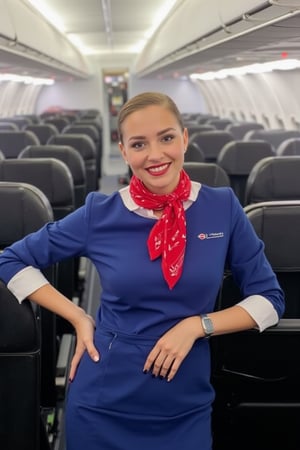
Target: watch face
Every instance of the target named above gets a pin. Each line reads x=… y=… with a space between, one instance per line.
x=207 y=326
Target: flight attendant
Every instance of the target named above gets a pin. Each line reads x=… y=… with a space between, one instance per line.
x=140 y=375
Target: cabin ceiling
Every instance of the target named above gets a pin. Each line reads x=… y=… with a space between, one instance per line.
x=112 y=28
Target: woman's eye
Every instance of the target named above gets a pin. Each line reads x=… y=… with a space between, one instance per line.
x=168 y=138
x=137 y=145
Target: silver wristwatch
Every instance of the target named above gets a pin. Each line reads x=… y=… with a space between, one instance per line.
x=207 y=325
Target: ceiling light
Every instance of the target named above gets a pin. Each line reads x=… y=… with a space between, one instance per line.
x=285 y=64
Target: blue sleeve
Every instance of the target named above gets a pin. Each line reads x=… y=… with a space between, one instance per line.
x=247 y=261
x=56 y=241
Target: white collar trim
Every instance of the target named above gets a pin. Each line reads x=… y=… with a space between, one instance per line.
x=132 y=206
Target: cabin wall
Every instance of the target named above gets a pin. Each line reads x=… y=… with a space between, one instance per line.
x=272 y=99
x=73 y=94
x=183 y=91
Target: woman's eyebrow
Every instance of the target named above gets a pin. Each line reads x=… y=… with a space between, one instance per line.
x=158 y=134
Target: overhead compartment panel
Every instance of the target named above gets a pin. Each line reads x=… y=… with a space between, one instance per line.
x=193 y=26
x=28 y=33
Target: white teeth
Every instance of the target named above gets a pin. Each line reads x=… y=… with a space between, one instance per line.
x=158 y=169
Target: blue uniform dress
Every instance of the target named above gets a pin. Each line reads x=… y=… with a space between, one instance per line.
x=112 y=404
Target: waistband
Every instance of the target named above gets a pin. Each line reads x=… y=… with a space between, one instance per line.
x=125 y=337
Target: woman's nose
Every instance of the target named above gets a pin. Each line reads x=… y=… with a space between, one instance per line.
x=154 y=151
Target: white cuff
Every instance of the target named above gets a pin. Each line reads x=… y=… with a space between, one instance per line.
x=261 y=310
x=25 y=282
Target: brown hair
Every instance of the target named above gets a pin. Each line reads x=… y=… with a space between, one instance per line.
x=143 y=100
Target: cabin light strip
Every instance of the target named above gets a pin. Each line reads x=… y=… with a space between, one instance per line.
x=284 y=64
x=26 y=79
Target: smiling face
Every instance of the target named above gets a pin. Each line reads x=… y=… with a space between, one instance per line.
x=153 y=144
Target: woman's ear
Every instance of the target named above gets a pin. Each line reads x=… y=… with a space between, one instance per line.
x=123 y=152
x=185 y=139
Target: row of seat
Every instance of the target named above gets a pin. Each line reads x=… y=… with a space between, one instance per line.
x=256 y=375
x=44 y=183
x=27 y=333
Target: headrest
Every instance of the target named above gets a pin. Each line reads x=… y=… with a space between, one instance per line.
x=239 y=157
x=81 y=142
x=24 y=208
x=206 y=173
x=274 y=178
x=71 y=157
x=12 y=142
x=289 y=147
x=278 y=224
x=49 y=175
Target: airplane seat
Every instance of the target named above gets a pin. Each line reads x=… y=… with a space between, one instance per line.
x=54 y=179
x=274 y=178
x=59 y=122
x=197 y=128
x=12 y=142
x=75 y=164
x=20 y=374
x=205 y=118
x=93 y=132
x=20 y=122
x=219 y=124
x=23 y=331
x=275 y=137
x=206 y=173
x=238 y=157
x=86 y=147
x=70 y=157
x=8 y=126
x=43 y=131
x=256 y=375
x=238 y=130
x=194 y=153
x=211 y=142
x=289 y=147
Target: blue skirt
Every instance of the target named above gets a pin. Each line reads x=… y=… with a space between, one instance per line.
x=113 y=405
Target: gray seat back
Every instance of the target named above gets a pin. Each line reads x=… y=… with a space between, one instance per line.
x=237 y=158
x=207 y=173
x=274 y=178
x=69 y=156
x=12 y=142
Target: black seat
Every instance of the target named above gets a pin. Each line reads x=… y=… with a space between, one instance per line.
x=86 y=147
x=20 y=122
x=23 y=330
x=12 y=142
x=256 y=375
x=274 y=178
x=8 y=126
x=238 y=130
x=289 y=147
x=194 y=153
x=211 y=142
x=70 y=157
x=54 y=179
x=59 y=122
x=237 y=158
x=93 y=132
x=219 y=124
x=275 y=137
x=43 y=131
x=207 y=173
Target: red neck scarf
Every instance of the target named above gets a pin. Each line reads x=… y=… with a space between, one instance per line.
x=168 y=235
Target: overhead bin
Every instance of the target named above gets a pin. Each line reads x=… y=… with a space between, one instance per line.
x=194 y=26
x=25 y=31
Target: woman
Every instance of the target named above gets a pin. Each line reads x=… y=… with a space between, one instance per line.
x=141 y=379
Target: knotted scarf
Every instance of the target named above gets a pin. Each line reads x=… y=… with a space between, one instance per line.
x=167 y=238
